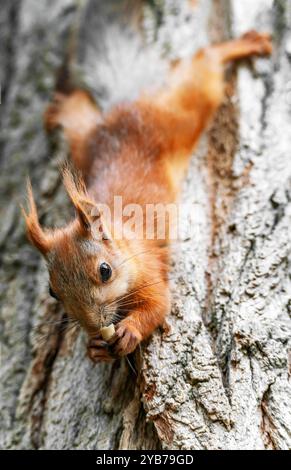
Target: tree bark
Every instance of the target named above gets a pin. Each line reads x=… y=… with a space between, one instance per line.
x=219 y=377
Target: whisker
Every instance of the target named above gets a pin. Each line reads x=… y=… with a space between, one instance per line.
x=63 y=325
x=133 y=256
x=129 y=303
x=34 y=330
x=130 y=365
x=139 y=289
x=46 y=337
x=55 y=322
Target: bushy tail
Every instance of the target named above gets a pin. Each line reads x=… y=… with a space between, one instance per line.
x=114 y=59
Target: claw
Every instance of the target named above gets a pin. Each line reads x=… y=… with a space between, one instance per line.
x=126 y=338
x=99 y=350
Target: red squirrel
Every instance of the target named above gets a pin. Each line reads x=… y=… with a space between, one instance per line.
x=139 y=151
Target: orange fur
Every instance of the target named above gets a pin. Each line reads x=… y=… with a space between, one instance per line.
x=77 y=115
x=139 y=151
x=37 y=236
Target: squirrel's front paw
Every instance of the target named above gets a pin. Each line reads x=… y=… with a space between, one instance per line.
x=99 y=351
x=126 y=338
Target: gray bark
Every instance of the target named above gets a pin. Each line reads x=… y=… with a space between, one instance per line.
x=219 y=378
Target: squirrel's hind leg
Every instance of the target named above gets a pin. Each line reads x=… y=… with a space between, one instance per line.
x=250 y=44
x=193 y=94
x=196 y=86
x=199 y=81
x=77 y=115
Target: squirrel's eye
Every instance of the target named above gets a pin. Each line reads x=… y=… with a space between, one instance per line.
x=105 y=272
x=53 y=294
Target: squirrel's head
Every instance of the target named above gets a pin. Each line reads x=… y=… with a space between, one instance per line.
x=89 y=271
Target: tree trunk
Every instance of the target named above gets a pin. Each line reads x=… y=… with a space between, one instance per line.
x=218 y=379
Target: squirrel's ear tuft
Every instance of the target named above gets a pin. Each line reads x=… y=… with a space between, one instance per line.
x=76 y=190
x=35 y=233
x=74 y=185
x=88 y=212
